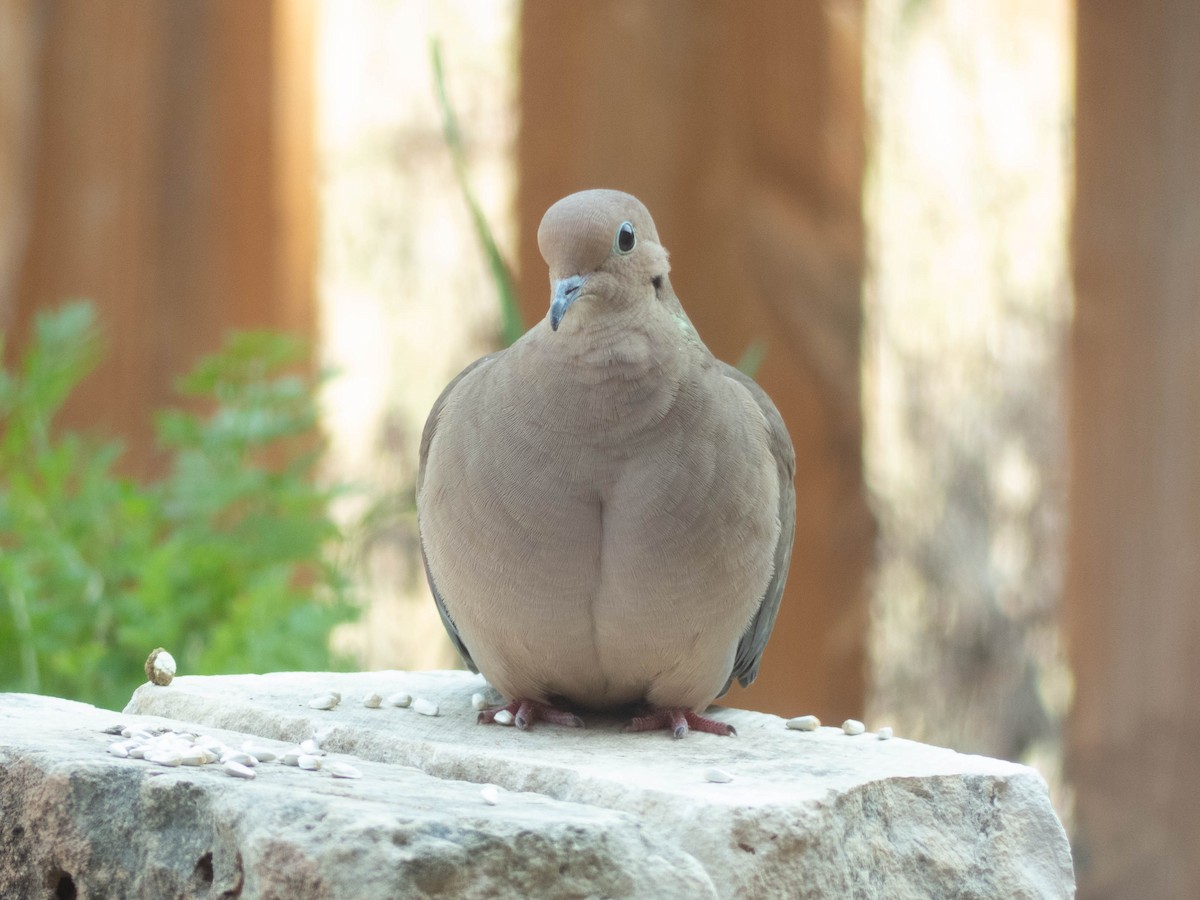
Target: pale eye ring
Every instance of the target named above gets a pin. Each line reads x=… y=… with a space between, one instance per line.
x=626 y=239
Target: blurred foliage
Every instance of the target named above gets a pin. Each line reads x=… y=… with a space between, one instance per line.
x=752 y=357
x=224 y=561
x=511 y=325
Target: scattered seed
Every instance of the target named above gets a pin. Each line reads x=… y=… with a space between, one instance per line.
x=237 y=770
x=853 y=726
x=504 y=717
x=160 y=666
x=804 y=723
x=195 y=756
x=165 y=757
x=490 y=794
x=259 y=752
x=305 y=761
x=885 y=733
x=344 y=770
x=425 y=707
x=372 y=700
x=237 y=756
x=292 y=757
x=119 y=749
x=325 y=701
x=399 y=699
x=310 y=747
x=478 y=701
x=717 y=776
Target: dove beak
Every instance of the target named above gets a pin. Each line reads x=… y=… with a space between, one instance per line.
x=566 y=292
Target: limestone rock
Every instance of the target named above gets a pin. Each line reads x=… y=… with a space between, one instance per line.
x=578 y=812
x=78 y=822
x=808 y=814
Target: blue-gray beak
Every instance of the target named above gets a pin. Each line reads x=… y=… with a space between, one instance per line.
x=566 y=292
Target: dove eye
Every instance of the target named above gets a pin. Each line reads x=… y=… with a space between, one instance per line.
x=626 y=239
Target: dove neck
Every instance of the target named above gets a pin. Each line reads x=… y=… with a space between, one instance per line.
x=615 y=370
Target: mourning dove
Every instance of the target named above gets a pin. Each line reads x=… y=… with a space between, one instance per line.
x=606 y=510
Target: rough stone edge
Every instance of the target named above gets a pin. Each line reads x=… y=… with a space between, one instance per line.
x=51 y=809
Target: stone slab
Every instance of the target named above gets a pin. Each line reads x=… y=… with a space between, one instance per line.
x=818 y=814
x=77 y=822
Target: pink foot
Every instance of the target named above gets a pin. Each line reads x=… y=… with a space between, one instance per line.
x=526 y=712
x=678 y=720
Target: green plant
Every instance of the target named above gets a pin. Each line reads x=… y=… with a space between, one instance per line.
x=511 y=325
x=225 y=560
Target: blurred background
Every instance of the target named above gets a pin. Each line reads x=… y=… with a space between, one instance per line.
x=960 y=243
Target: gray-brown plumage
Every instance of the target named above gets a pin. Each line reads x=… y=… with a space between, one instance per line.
x=606 y=510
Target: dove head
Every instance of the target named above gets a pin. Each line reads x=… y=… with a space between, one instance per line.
x=603 y=253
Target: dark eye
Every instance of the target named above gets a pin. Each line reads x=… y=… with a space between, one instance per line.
x=625 y=238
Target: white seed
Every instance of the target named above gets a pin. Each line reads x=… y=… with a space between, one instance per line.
x=165 y=757
x=137 y=751
x=344 y=770
x=127 y=731
x=717 y=776
x=425 y=707
x=490 y=794
x=208 y=742
x=259 y=752
x=118 y=749
x=399 y=699
x=160 y=666
x=237 y=770
x=804 y=723
x=504 y=717
x=292 y=757
x=196 y=756
x=140 y=735
x=885 y=733
x=372 y=700
x=237 y=756
x=310 y=747
x=853 y=726
x=478 y=701
x=325 y=701
x=312 y=763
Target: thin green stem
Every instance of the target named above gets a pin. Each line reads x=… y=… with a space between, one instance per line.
x=25 y=644
x=511 y=326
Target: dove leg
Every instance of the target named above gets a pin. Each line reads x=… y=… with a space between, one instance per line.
x=526 y=712
x=678 y=720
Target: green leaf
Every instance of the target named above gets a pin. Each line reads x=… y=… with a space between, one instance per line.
x=228 y=560
x=511 y=326
x=752 y=358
